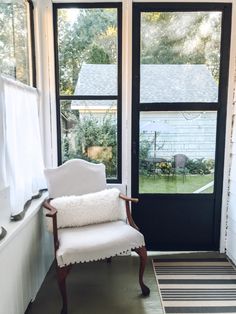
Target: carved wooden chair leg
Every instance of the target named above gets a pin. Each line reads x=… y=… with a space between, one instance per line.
x=142 y=252
x=62 y=273
x=109 y=260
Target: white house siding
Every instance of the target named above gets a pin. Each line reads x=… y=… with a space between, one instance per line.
x=231 y=229
x=189 y=133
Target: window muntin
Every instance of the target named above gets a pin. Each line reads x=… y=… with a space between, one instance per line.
x=88 y=68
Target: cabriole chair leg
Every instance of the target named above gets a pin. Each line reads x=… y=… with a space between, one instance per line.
x=62 y=273
x=109 y=260
x=142 y=252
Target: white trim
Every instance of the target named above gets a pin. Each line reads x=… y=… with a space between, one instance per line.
x=228 y=133
x=127 y=93
x=14 y=227
x=46 y=79
x=26 y=254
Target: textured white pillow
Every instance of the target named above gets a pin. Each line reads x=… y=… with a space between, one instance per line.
x=92 y=208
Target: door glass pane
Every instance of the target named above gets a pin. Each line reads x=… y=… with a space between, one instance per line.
x=87 y=51
x=89 y=131
x=177 y=152
x=180 y=56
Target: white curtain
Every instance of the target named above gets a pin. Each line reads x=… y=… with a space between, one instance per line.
x=24 y=161
x=3 y=180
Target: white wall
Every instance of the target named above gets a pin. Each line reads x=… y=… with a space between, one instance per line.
x=231 y=228
x=228 y=145
x=25 y=257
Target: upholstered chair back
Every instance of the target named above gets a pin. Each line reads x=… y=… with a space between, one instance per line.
x=75 y=177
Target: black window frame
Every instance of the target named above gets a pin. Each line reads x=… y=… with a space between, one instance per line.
x=118 y=97
x=32 y=43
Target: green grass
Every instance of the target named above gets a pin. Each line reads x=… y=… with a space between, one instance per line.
x=174 y=184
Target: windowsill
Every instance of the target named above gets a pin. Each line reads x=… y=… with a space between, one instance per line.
x=14 y=227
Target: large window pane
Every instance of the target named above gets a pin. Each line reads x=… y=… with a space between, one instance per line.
x=88 y=51
x=89 y=131
x=180 y=56
x=14 y=40
x=177 y=152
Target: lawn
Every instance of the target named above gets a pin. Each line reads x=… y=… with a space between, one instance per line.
x=174 y=184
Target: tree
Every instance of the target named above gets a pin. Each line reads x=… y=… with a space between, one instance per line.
x=84 y=41
x=182 y=38
x=14 y=37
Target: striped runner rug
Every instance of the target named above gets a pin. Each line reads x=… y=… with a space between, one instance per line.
x=196 y=285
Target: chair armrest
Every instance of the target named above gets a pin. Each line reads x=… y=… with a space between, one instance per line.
x=128 y=211
x=126 y=198
x=52 y=214
x=52 y=209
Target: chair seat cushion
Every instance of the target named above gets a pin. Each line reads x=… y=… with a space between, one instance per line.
x=95 y=242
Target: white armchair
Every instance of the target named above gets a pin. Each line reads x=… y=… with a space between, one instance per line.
x=88 y=221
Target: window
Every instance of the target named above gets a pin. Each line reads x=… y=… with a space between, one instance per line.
x=88 y=78
x=180 y=56
x=17 y=61
x=17 y=40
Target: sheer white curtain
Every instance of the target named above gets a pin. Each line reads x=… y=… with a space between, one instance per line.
x=3 y=180
x=23 y=152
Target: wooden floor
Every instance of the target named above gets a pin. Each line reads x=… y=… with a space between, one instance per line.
x=101 y=288
x=98 y=287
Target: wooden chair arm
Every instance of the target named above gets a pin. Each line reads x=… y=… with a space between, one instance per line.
x=52 y=214
x=128 y=211
x=126 y=198
x=52 y=209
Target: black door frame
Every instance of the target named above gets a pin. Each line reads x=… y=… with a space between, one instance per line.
x=220 y=107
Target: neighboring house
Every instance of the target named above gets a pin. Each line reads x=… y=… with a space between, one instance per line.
x=96 y=80
x=159 y=83
x=190 y=133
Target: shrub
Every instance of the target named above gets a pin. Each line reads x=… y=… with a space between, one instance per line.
x=200 y=166
x=92 y=131
x=144 y=148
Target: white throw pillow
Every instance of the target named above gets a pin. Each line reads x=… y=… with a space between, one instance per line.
x=87 y=209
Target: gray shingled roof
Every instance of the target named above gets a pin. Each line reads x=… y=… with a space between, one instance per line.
x=97 y=79
x=159 y=83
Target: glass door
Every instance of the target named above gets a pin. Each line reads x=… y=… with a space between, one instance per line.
x=180 y=71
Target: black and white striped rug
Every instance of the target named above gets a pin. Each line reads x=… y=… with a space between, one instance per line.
x=196 y=285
